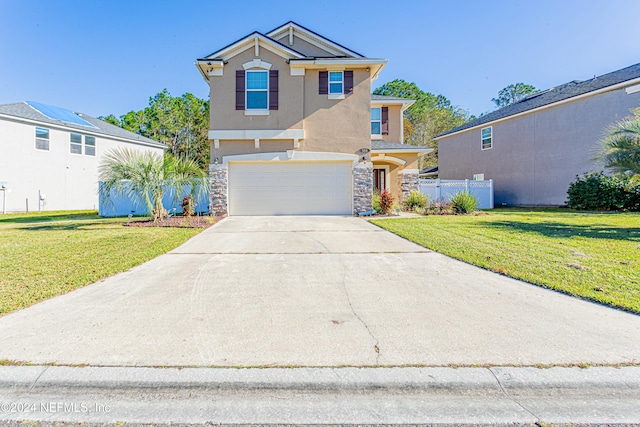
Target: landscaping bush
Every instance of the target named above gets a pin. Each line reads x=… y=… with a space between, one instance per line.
x=464 y=202
x=415 y=199
x=376 y=202
x=597 y=191
x=386 y=202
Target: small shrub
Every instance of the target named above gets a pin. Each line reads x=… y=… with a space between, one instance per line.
x=464 y=202
x=188 y=206
x=376 y=202
x=386 y=202
x=441 y=207
x=420 y=211
x=396 y=208
x=597 y=191
x=415 y=200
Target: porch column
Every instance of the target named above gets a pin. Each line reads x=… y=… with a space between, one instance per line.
x=363 y=187
x=218 y=190
x=409 y=181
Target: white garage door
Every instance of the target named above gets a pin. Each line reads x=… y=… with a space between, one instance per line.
x=290 y=188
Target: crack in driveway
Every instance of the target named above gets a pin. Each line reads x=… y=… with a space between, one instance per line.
x=376 y=346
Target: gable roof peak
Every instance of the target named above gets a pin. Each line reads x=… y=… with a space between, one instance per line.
x=314 y=37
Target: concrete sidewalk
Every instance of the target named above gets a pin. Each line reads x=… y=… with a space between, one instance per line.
x=321 y=396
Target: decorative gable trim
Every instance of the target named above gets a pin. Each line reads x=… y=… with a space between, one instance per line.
x=254 y=40
x=257 y=63
x=295 y=30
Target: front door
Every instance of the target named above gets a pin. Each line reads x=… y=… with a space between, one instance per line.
x=379 y=179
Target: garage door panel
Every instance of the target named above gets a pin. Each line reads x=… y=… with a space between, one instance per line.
x=304 y=188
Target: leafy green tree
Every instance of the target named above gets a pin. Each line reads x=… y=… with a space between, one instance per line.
x=620 y=148
x=182 y=123
x=513 y=93
x=429 y=116
x=144 y=176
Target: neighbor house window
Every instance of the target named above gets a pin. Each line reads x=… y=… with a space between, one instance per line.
x=89 y=145
x=487 y=137
x=42 y=139
x=257 y=90
x=376 y=121
x=478 y=177
x=76 y=143
x=336 y=81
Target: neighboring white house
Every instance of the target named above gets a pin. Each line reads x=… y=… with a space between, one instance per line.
x=54 y=153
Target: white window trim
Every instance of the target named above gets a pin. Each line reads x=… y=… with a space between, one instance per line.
x=482 y=139
x=376 y=135
x=255 y=111
x=335 y=95
x=95 y=145
x=48 y=139
x=76 y=143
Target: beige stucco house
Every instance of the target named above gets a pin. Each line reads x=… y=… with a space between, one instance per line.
x=295 y=130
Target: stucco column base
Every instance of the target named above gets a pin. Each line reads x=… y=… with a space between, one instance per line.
x=218 y=204
x=363 y=187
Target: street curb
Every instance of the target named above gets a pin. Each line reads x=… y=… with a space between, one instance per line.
x=438 y=380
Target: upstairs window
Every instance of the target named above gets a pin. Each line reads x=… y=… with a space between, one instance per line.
x=76 y=143
x=336 y=82
x=376 y=121
x=486 y=135
x=257 y=90
x=42 y=139
x=89 y=145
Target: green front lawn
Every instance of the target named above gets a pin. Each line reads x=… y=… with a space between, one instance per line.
x=590 y=255
x=50 y=253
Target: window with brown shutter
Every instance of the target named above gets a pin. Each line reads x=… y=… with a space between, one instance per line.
x=385 y=120
x=273 y=89
x=348 y=82
x=240 y=89
x=323 y=82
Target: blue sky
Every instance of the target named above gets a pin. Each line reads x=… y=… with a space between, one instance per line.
x=102 y=57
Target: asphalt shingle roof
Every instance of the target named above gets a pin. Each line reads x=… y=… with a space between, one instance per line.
x=375 y=97
x=23 y=110
x=555 y=94
x=379 y=144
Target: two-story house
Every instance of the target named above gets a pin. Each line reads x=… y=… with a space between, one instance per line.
x=295 y=130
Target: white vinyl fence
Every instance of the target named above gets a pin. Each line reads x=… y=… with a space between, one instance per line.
x=438 y=189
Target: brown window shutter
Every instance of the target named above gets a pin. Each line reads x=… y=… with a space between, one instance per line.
x=273 y=89
x=240 y=89
x=385 y=120
x=348 y=82
x=323 y=82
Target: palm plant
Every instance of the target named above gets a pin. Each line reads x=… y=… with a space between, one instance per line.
x=620 y=148
x=144 y=176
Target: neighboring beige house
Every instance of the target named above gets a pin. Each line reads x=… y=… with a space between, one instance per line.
x=295 y=130
x=49 y=156
x=534 y=149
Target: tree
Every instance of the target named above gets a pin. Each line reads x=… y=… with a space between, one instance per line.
x=513 y=93
x=429 y=116
x=182 y=123
x=144 y=177
x=620 y=148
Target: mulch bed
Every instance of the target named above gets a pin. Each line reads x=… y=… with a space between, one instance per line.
x=176 y=221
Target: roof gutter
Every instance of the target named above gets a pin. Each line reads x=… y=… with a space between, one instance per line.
x=544 y=107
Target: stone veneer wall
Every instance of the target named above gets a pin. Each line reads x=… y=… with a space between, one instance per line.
x=409 y=182
x=218 y=192
x=363 y=187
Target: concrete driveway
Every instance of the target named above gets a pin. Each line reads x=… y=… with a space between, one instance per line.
x=314 y=291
